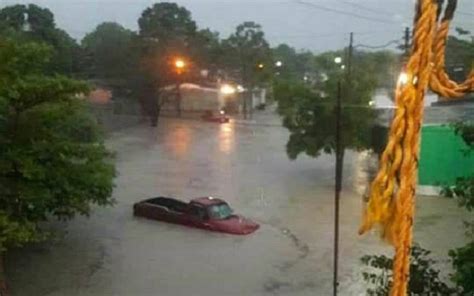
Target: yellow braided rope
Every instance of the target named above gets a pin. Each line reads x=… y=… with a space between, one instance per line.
x=392 y=200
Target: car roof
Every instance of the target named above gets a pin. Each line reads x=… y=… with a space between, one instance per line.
x=208 y=201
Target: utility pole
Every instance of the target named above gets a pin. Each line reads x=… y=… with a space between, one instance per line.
x=340 y=160
x=407 y=41
x=337 y=188
x=349 y=59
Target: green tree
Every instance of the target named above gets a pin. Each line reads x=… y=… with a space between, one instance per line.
x=460 y=55
x=207 y=50
x=248 y=58
x=33 y=23
x=424 y=279
x=463 y=191
x=248 y=52
x=53 y=162
x=294 y=65
x=112 y=49
x=308 y=110
x=166 y=31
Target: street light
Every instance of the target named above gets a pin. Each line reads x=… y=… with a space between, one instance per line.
x=261 y=66
x=279 y=64
x=227 y=89
x=337 y=60
x=179 y=64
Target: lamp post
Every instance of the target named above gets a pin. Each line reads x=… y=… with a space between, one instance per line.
x=180 y=66
x=338 y=181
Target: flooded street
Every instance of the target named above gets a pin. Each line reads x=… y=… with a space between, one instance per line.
x=114 y=253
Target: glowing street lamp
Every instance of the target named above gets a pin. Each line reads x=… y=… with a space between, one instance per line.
x=260 y=66
x=179 y=64
x=279 y=64
x=227 y=89
x=337 y=60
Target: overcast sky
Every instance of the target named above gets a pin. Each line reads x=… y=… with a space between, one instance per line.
x=321 y=26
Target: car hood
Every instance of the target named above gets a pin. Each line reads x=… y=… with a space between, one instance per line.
x=236 y=224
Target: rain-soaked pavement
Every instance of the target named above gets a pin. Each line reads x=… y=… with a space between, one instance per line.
x=113 y=253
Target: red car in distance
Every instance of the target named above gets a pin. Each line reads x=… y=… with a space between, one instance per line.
x=219 y=118
x=205 y=212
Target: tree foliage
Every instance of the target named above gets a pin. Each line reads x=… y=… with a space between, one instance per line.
x=53 y=161
x=308 y=109
x=33 y=23
x=248 y=54
x=294 y=65
x=424 y=278
x=112 y=51
x=166 y=32
x=463 y=190
x=460 y=54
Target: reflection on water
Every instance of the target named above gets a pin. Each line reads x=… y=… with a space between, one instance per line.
x=227 y=137
x=178 y=140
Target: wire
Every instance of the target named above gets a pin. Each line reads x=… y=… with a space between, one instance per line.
x=465 y=13
x=380 y=46
x=362 y=7
x=324 y=8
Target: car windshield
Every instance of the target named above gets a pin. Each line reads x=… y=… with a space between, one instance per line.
x=220 y=211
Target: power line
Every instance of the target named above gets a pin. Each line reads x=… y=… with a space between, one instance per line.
x=325 y=8
x=379 y=46
x=465 y=13
x=362 y=7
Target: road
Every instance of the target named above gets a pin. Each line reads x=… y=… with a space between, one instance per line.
x=113 y=253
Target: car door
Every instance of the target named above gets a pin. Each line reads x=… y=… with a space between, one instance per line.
x=198 y=216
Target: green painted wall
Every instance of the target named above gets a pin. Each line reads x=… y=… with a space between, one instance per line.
x=442 y=159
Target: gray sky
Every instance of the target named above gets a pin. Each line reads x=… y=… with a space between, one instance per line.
x=303 y=26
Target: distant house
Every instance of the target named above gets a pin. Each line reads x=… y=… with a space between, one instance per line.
x=198 y=98
x=193 y=98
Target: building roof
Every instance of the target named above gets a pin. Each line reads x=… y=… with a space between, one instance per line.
x=467 y=100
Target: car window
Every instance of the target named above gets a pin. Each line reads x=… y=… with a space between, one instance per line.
x=198 y=212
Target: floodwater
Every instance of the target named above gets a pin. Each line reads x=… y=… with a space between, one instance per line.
x=112 y=253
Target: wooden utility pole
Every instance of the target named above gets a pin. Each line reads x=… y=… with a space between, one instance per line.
x=337 y=191
x=407 y=41
x=340 y=160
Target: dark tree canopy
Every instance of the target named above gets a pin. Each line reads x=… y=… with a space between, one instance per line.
x=167 y=24
x=112 y=51
x=33 y=23
x=248 y=52
x=307 y=108
x=52 y=159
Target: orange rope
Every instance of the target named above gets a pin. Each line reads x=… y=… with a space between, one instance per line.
x=392 y=200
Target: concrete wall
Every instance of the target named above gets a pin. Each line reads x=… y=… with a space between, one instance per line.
x=434 y=115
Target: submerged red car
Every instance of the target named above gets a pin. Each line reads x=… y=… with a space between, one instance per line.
x=205 y=212
x=219 y=118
